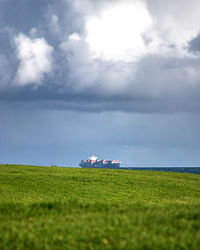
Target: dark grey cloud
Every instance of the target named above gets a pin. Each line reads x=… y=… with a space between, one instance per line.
x=194 y=44
x=161 y=85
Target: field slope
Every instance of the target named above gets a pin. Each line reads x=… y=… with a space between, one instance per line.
x=66 y=208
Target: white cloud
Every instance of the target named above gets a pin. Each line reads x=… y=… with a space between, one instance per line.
x=116 y=33
x=127 y=30
x=35 y=56
x=75 y=36
x=178 y=21
x=122 y=51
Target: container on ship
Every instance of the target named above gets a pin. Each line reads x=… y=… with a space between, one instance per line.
x=94 y=162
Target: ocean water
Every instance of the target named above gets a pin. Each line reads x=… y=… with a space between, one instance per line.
x=190 y=170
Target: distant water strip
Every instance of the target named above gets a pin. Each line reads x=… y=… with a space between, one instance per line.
x=190 y=170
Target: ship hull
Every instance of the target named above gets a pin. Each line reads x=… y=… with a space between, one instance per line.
x=103 y=167
x=110 y=166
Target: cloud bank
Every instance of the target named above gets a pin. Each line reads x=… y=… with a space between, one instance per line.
x=118 y=55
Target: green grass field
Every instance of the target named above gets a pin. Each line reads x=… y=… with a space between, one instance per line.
x=66 y=208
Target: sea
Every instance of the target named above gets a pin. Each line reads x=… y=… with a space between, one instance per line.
x=190 y=170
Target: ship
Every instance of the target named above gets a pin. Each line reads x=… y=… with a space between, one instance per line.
x=94 y=162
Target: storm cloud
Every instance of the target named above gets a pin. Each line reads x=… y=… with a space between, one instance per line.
x=154 y=62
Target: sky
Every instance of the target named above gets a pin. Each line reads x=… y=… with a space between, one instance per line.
x=115 y=78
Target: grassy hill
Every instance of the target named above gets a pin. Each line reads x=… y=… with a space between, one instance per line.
x=66 y=208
